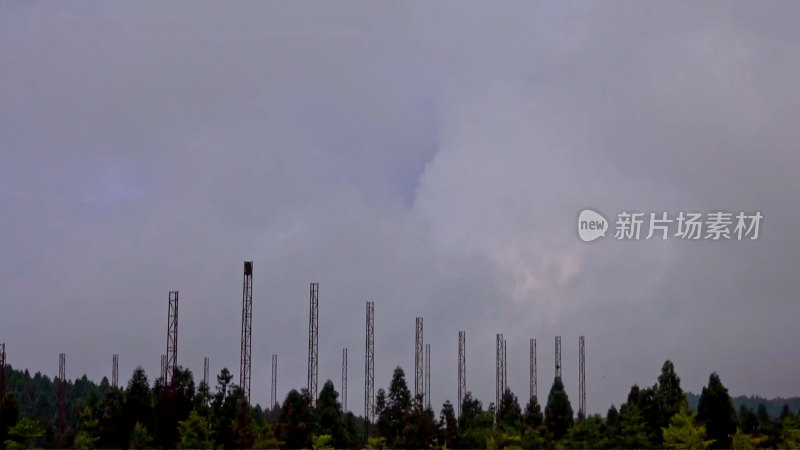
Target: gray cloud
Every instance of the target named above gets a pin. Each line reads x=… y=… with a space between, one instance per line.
x=431 y=158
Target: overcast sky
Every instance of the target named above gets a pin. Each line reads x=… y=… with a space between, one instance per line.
x=431 y=157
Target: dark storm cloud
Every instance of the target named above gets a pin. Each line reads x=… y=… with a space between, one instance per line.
x=431 y=158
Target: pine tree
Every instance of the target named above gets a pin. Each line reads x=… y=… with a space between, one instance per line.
x=716 y=412
x=633 y=429
x=448 y=424
x=533 y=414
x=509 y=415
x=194 y=432
x=669 y=395
x=558 y=412
x=397 y=407
x=25 y=434
x=329 y=414
x=296 y=424
x=790 y=433
x=684 y=433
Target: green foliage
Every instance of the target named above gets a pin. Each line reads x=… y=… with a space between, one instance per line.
x=391 y=421
x=376 y=443
x=745 y=441
x=684 y=433
x=475 y=424
x=586 y=433
x=509 y=415
x=140 y=438
x=448 y=425
x=669 y=395
x=790 y=435
x=25 y=434
x=323 y=442
x=507 y=440
x=194 y=432
x=145 y=416
x=329 y=415
x=633 y=429
x=87 y=436
x=296 y=422
x=9 y=416
x=534 y=438
x=533 y=414
x=715 y=411
x=265 y=437
x=558 y=412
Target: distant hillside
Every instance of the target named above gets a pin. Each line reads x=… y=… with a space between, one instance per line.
x=774 y=405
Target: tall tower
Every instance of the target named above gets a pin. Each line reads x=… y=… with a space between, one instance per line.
x=172 y=339
x=427 y=402
x=2 y=379
x=2 y=374
x=344 y=379
x=115 y=370
x=369 y=367
x=581 y=376
x=558 y=356
x=273 y=392
x=499 y=371
x=247 y=330
x=505 y=365
x=62 y=381
x=419 y=364
x=313 y=342
x=533 y=388
x=462 y=368
x=205 y=369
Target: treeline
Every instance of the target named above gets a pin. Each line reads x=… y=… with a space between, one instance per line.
x=145 y=415
x=773 y=406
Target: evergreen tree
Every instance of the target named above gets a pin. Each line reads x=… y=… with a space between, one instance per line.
x=448 y=424
x=747 y=420
x=613 y=429
x=586 y=433
x=225 y=407
x=790 y=433
x=533 y=414
x=509 y=415
x=669 y=395
x=684 y=433
x=475 y=424
x=242 y=423
x=746 y=441
x=136 y=408
x=329 y=415
x=767 y=427
x=534 y=438
x=194 y=432
x=140 y=438
x=25 y=434
x=323 y=442
x=265 y=437
x=397 y=408
x=633 y=429
x=715 y=411
x=88 y=433
x=296 y=423
x=9 y=416
x=558 y=412
x=202 y=400
x=420 y=426
x=381 y=412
